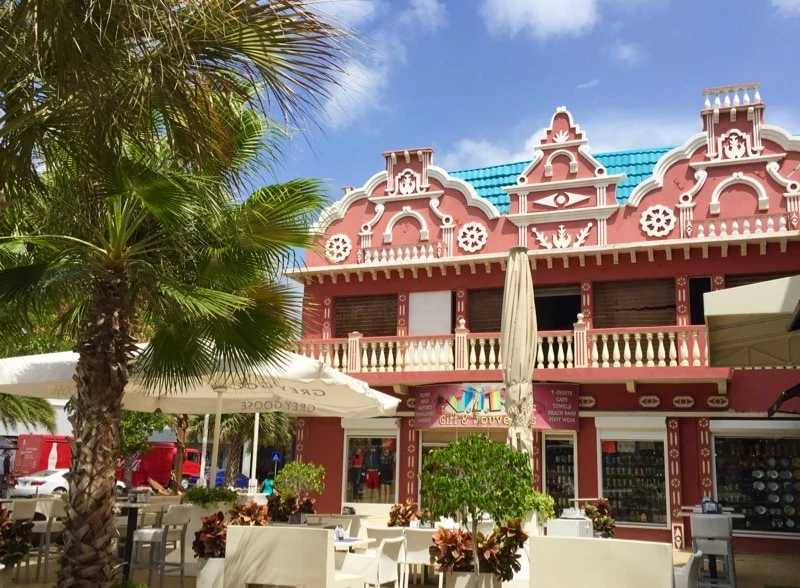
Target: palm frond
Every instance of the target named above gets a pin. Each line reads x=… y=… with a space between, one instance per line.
x=18 y=411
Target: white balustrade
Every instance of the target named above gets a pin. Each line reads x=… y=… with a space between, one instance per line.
x=602 y=348
x=555 y=351
x=745 y=225
x=727 y=96
x=400 y=253
x=650 y=347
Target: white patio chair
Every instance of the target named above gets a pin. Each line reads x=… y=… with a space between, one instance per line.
x=172 y=532
x=713 y=536
x=381 y=533
x=56 y=513
x=418 y=552
x=23 y=509
x=687 y=575
x=377 y=568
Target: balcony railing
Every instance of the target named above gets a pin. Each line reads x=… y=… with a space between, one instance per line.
x=582 y=347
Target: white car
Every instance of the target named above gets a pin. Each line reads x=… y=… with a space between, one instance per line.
x=45 y=482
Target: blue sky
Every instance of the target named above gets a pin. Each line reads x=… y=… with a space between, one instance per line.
x=478 y=79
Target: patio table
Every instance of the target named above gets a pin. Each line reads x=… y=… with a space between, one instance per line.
x=352 y=543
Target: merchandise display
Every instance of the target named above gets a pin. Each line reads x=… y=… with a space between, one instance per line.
x=559 y=472
x=634 y=481
x=760 y=478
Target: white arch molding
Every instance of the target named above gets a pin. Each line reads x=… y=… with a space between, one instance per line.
x=548 y=164
x=738 y=178
x=406 y=212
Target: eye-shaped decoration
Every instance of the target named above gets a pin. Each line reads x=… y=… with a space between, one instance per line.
x=561 y=200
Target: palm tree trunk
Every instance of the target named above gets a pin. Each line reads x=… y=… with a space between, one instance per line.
x=105 y=351
x=181 y=424
x=235 y=447
x=127 y=472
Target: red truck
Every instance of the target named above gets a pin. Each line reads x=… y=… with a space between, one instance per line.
x=49 y=452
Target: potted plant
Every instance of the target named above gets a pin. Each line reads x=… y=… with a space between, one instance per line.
x=472 y=477
x=250 y=514
x=541 y=508
x=292 y=491
x=209 y=549
x=16 y=540
x=402 y=515
x=205 y=502
x=498 y=555
x=599 y=513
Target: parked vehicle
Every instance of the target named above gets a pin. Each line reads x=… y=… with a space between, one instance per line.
x=39 y=453
x=241 y=480
x=44 y=482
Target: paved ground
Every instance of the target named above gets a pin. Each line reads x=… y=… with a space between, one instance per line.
x=752 y=571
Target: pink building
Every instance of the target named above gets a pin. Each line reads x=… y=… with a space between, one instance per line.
x=405 y=292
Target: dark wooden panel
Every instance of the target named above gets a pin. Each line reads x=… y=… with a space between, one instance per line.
x=747 y=279
x=485 y=308
x=635 y=303
x=372 y=316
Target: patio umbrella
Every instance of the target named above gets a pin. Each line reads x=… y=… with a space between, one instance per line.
x=293 y=384
x=518 y=349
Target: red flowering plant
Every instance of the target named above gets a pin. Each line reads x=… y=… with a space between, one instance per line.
x=498 y=553
x=209 y=541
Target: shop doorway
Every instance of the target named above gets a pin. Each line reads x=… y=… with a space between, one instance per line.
x=559 y=470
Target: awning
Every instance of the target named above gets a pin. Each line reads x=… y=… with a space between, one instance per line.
x=749 y=326
x=787 y=403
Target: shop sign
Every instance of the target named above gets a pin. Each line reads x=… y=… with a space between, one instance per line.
x=556 y=406
x=460 y=405
x=482 y=405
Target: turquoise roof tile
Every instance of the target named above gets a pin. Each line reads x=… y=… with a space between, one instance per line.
x=638 y=165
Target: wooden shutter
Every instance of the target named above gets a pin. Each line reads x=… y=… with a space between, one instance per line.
x=639 y=303
x=372 y=316
x=746 y=280
x=485 y=307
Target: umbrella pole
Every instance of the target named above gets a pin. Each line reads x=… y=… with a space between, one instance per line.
x=201 y=481
x=254 y=455
x=215 y=450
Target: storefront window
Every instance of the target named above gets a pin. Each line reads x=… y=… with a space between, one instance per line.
x=559 y=471
x=371 y=470
x=760 y=478
x=634 y=481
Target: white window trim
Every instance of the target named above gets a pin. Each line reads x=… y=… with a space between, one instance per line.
x=572 y=436
x=633 y=429
x=371 y=425
x=357 y=428
x=767 y=429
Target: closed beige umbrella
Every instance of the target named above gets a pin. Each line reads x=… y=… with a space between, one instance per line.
x=518 y=349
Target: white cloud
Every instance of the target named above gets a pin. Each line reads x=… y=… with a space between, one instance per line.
x=629 y=54
x=428 y=14
x=542 y=19
x=588 y=85
x=350 y=13
x=787 y=7
x=365 y=77
x=357 y=91
x=607 y=131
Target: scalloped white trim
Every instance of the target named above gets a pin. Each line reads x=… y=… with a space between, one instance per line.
x=667 y=160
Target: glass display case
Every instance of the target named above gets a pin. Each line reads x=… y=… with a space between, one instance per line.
x=634 y=481
x=559 y=471
x=760 y=479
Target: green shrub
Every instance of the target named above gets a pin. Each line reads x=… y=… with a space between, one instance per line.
x=206 y=497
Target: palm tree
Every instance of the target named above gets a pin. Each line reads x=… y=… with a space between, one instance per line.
x=28 y=412
x=274 y=429
x=89 y=78
x=148 y=246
